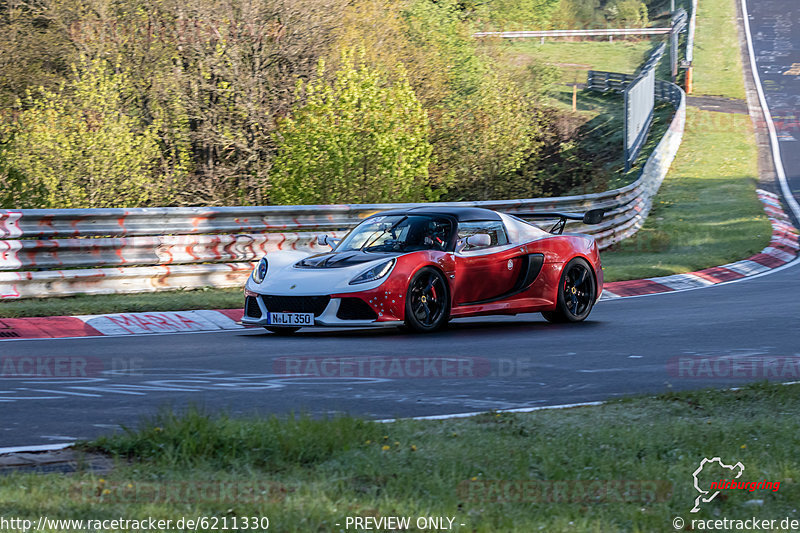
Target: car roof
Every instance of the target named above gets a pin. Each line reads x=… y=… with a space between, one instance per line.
x=461 y=214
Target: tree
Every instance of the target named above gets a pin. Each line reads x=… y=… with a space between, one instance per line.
x=517 y=14
x=628 y=13
x=77 y=147
x=356 y=138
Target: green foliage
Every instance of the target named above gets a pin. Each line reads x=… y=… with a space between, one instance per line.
x=201 y=88
x=354 y=139
x=33 y=50
x=516 y=14
x=573 y=14
x=628 y=13
x=78 y=147
x=490 y=138
x=488 y=120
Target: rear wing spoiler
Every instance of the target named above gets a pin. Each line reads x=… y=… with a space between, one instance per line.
x=593 y=216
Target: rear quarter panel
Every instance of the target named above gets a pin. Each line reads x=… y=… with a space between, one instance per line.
x=558 y=250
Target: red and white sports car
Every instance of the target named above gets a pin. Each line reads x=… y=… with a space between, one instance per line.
x=423 y=266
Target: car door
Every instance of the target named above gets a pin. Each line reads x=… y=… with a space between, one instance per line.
x=485 y=273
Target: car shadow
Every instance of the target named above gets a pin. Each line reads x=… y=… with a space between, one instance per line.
x=460 y=327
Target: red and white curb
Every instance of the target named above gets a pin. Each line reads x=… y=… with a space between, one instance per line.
x=782 y=249
x=119 y=324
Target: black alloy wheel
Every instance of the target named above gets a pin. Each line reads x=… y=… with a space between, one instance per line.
x=427 y=301
x=577 y=291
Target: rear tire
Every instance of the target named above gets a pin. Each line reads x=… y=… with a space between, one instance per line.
x=283 y=332
x=427 y=301
x=577 y=290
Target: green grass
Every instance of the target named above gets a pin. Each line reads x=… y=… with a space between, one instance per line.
x=575 y=59
x=706 y=212
x=123 y=303
x=717 y=61
x=313 y=474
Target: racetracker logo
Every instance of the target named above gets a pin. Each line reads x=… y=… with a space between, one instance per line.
x=67 y=367
x=726 y=367
x=384 y=367
x=565 y=491
x=191 y=492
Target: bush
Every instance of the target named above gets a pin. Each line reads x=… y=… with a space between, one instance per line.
x=354 y=139
x=78 y=147
x=510 y=15
x=627 y=13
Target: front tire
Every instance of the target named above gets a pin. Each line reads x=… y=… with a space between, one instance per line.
x=577 y=290
x=427 y=301
x=283 y=332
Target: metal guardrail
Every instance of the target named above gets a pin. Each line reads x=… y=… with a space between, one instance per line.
x=679 y=20
x=621 y=32
x=62 y=252
x=653 y=60
x=598 y=80
x=690 y=35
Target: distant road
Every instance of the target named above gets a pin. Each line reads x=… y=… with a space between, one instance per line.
x=775 y=28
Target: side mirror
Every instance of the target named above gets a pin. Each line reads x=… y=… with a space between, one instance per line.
x=595 y=216
x=479 y=240
x=326 y=240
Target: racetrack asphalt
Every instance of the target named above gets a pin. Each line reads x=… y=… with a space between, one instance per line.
x=628 y=346
x=775 y=29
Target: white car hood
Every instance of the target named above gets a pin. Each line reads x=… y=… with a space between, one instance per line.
x=284 y=279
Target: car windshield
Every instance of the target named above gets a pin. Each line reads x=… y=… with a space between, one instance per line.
x=399 y=233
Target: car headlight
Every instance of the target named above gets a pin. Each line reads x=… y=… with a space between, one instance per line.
x=260 y=272
x=374 y=273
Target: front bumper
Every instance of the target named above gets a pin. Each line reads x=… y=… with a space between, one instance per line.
x=256 y=311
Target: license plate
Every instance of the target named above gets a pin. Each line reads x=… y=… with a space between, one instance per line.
x=290 y=319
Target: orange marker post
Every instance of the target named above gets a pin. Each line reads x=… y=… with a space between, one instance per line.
x=689 y=80
x=574 y=97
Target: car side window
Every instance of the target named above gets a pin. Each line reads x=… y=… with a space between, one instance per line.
x=493 y=228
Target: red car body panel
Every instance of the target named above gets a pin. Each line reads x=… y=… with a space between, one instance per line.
x=477 y=278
